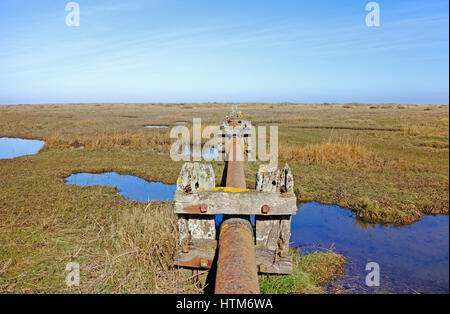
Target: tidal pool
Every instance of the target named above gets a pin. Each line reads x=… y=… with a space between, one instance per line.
x=130 y=187
x=17 y=147
x=412 y=259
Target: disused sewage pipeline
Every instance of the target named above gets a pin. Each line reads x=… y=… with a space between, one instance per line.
x=242 y=250
x=236 y=263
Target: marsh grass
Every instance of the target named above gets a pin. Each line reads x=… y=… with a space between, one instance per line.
x=333 y=152
x=310 y=273
x=111 y=140
x=337 y=159
x=88 y=122
x=421 y=130
x=138 y=253
x=289 y=119
x=173 y=117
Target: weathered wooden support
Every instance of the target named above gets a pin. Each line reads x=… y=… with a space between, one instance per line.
x=272 y=235
x=197 y=232
x=267 y=179
x=273 y=232
x=194 y=176
x=199 y=254
x=268 y=263
x=234 y=203
x=234 y=126
x=286 y=182
x=270 y=179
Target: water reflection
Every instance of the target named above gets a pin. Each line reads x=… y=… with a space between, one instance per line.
x=412 y=258
x=131 y=187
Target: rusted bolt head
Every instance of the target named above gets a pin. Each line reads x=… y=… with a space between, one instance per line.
x=262 y=268
x=265 y=209
x=185 y=248
x=203 y=208
x=204 y=263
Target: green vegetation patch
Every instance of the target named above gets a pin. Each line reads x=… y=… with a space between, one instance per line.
x=310 y=273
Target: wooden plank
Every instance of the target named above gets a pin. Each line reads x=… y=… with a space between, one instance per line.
x=286 y=180
x=267 y=179
x=271 y=179
x=199 y=251
x=273 y=264
x=192 y=177
x=193 y=227
x=242 y=203
x=273 y=233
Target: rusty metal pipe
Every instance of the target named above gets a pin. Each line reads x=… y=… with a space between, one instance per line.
x=236 y=263
x=235 y=171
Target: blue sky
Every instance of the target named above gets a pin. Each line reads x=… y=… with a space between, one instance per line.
x=224 y=50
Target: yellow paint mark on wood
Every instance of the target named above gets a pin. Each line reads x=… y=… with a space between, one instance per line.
x=225 y=189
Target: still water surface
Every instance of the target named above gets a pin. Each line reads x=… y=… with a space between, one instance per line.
x=17 y=147
x=412 y=258
x=131 y=187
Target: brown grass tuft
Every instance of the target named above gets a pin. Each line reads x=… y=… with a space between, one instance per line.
x=138 y=255
x=420 y=130
x=333 y=152
x=173 y=117
x=88 y=122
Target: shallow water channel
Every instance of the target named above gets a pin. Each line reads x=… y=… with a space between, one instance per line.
x=131 y=187
x=412 y=259
x=17 y=147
